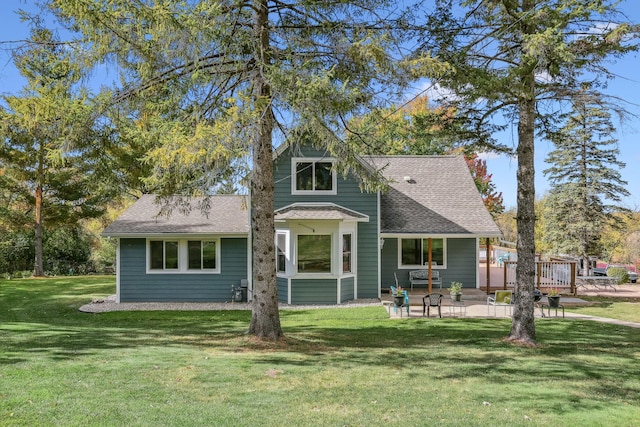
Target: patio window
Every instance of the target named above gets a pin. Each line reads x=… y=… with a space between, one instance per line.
x=314 y=177
x=163 y=255
x=314 y=253
x=415 y=252
x=202 y=255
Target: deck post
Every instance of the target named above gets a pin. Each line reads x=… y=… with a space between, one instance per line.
x=488 y=249
x=430 y=267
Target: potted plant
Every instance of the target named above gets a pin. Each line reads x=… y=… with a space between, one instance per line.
x=554 y=297
x=455 y=291
x=398 y=297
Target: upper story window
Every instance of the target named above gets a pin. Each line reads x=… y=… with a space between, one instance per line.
x=313 y=176
x=415 y=252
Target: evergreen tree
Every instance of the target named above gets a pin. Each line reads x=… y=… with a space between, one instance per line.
x=512 y=60
x=585 y=178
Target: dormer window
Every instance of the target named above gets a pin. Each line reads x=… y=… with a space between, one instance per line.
x=313 y=176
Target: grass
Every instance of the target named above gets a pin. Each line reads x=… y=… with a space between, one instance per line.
x=337 y=367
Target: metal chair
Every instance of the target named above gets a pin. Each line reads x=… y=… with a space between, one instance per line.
x=432 y=300
x=501 y=298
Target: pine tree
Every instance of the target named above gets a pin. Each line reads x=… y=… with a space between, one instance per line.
x=586 y=180
x=511 y=61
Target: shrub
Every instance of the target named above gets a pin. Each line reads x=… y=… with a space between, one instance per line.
x=620 y=273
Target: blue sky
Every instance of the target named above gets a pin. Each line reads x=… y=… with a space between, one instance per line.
x=626 y=87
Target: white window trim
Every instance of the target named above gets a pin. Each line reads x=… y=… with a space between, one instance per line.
x=341 y=253
x=287 y=253
x=334 y=176
x=183 y=256
x=335 y=230
x=442 y=266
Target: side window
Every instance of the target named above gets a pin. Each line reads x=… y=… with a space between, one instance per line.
x=202 y=255
x=346 y=253
x=281 y=248
x=163 y=255
x=184 y=256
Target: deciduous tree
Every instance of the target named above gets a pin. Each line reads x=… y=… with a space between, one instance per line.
x=36 y=127
x=238 y=76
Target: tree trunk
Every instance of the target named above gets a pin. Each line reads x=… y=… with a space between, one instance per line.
x=523 y=325
x=38 y=266
x=265 y=317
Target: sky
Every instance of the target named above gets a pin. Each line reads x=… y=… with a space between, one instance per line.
x=503 y=169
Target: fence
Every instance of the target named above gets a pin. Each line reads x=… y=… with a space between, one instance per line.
x=549 y=274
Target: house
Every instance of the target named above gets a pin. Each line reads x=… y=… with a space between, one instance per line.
x=334 y=242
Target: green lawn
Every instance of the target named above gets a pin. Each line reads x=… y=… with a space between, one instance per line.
x=338 y=367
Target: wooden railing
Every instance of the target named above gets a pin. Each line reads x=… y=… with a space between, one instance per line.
x=549 y=274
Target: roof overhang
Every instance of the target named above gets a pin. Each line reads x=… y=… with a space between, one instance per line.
x=176 y=235
x=426 y=235
x=318 y=212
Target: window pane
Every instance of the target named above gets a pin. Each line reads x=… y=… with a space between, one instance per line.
x=281 y=244
x=208 y=254
x=314 y=254
x=171 y=255
x=437 y=251
x=411 y=252
x=304 y=176
x=324 y=179
x=155 y=247
x=346 y=253
x=194 y=249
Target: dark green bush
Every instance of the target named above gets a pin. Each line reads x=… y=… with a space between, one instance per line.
x=620 y=273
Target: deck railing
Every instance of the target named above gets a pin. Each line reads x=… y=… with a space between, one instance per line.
x=549 y=274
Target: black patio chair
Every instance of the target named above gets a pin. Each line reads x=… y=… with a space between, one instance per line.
x=431 y=300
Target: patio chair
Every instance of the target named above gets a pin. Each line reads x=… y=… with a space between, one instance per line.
x=501 y=298
x=432 y=300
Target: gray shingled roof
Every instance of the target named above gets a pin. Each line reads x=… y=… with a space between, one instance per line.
x=440 y=198
x=228 y=214
x=314 y=211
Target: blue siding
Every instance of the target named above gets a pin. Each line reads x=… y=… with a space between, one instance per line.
x=347 y=289
x=350 y=196
x=314 y=291
x=137 y=286
x=283 y=289
x=461 y=263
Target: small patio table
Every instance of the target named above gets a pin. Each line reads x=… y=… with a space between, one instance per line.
x=458 y=307
x=548 y=307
